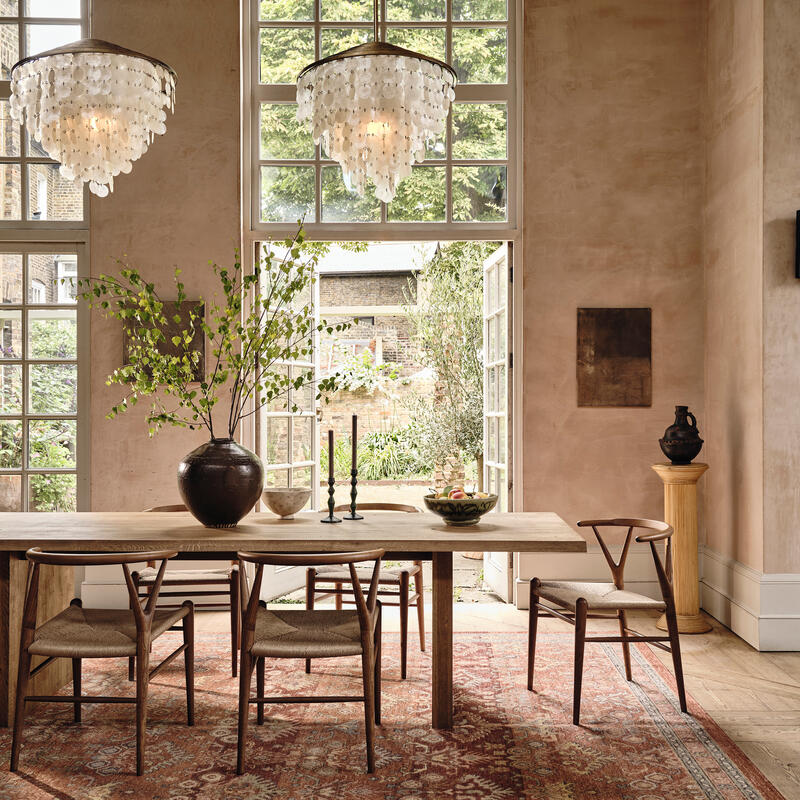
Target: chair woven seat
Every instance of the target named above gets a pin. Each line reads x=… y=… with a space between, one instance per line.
x=148 y=575
x=388 y=576
x=597 y=595
x=96 y=633
x=297 y=633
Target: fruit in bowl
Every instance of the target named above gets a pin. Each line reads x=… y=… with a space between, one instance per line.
x=459 y=507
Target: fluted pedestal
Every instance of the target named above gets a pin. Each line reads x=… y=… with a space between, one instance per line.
x=680 y=511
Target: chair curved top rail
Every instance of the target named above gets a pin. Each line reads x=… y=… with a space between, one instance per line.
x=408 y=509
x=310 y=559
x=38 y=556
x=628 y=522
x=173 y=507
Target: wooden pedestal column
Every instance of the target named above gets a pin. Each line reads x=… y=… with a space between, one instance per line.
x=680 y=511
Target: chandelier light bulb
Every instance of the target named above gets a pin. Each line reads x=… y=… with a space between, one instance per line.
x=93 y=106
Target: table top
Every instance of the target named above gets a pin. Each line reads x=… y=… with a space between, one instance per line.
x=104 y=531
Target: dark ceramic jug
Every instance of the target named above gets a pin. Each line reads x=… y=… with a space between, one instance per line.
x=681 y=442
x=220 y=482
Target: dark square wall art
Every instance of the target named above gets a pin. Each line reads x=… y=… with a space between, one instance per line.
x=614 y=357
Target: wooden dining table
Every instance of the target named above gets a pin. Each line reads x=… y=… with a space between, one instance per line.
x=403 y=536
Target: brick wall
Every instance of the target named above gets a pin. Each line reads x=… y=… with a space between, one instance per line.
x=364 y=289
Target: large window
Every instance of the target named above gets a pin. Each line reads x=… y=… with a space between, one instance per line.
x=466 y=178
x=43 y=231
x=31 y=189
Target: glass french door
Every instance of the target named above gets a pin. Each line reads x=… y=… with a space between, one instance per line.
x=288 y=444
x=498 y=572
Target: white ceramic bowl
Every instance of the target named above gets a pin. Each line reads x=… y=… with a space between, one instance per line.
x=285 y=502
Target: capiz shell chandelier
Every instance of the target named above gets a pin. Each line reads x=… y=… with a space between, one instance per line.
x=94 y=107
x=373 y=108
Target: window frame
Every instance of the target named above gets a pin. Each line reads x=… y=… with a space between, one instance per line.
x=24 y=159
x=254 y=94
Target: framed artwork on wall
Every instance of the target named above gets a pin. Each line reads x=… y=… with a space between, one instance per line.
x=614 y=357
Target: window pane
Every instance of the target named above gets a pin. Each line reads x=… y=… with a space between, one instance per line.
x=302 y=441
x=420 y=197
x=346 y=10
x=51 y=278
x=48 y=8
x=51 y=443
x=10 y=334
x=11 y=196
x=284 y=53
x=340 y=204
x=10 y=389
x=276 y=477
x=334 y=40
x=479 y=9
x=11 y=444
x=287 y=194
x=9 y=131
x=52 y=334
x=52 y=492
x=301 y=477
x=39 y=38
x=428 y=41
x=10 y=278
x=479 y=194
x=277 y=444
x=304 y=397
x=479 y=55
x=282 y=136
x=415 y=10
x=9 y=8
x=281 y=9
x=10 y=493
x=50 y=197
x=9 y=52
x=53 y=388
x=479 y=130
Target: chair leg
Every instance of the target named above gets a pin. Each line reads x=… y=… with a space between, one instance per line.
x=420 y=606
x=236 y=621
x=23 y=674
x=675 y=646
x=245 y=676
x=132 y=660
x=533 y=625
x=188 y=660
x=311 y=588
x=76 y=687
x=260 y=674
x=377 y=669
x=580 y=642
x=369 y=704
x=338 y=598
x=626 y=647
x=403 y=624
x=142 y=685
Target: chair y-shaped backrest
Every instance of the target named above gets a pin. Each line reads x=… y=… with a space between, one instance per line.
x=659 y=531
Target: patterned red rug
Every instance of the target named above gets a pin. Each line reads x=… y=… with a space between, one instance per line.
x=634 y=744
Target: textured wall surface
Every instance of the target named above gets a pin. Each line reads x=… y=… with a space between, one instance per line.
x=178 y=207
x=733 y=261
x=781 y=288
x=613 y=158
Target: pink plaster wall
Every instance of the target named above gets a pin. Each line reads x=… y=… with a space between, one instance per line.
x=733 y=263
x=781 y=288
x=179 y=206
x=613 y=156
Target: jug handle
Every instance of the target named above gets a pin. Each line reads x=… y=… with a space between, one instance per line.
x=694 y=420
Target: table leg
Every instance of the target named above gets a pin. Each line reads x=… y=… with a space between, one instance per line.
x=442 y=657
x=56 y=588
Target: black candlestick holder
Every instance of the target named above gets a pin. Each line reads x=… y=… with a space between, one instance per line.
x=331 y=503
x=353 y=495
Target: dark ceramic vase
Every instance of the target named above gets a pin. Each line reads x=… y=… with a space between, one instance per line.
x=220 y=482
x=681 y=442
